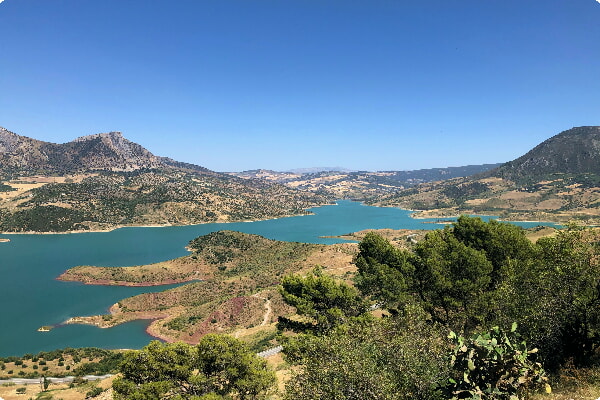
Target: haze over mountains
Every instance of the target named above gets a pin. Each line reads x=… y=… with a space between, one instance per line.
x=360 y=185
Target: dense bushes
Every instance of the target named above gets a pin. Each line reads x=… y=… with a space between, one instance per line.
x=476 y=275
x=373 y=359
x=474 y=278
x=218 y=367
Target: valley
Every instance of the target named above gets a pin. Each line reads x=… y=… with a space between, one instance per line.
x=148 y=283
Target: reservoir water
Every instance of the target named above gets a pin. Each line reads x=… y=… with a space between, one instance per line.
x=31 y=297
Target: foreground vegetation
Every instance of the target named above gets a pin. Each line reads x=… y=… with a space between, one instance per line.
x=472 y=311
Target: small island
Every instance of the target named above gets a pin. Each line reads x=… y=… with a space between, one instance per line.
x=45 y=328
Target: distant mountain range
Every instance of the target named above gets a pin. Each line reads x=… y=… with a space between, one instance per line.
x=103 y=181
x=360 y=185
x=314 y=170
x=558 y=180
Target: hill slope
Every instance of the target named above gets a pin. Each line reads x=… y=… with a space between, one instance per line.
x=361 y=185
x=558 y=180
x=239 y=274
x=575 y=151
x=103 y=181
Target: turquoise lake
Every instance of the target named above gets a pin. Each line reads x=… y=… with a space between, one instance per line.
x=30 y=296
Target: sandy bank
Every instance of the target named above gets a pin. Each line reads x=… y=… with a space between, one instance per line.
x=107 y=282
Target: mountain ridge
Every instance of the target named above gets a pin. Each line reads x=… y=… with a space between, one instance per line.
x=102 y=181
x=103 y=151
x=557 y=180
x=573 y=151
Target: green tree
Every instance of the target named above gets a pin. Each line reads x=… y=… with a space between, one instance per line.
x=218 y=366
x=452 y=280
x=328 y=303
x=384 y=272
x=501 y=242
x=555 y=297
x=447 y=277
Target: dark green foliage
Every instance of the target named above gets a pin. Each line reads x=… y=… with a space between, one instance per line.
x=500 y=241
x=476 y=275
x=451 y=279
x=107 y=365
x=217 y=366
x=43 y=218
x=555 y=297
x=327 y=302
x=495 y=365
x=6 y=188
x=394 y=358
x=384 y=272
x=463 y=191
x=96 y=391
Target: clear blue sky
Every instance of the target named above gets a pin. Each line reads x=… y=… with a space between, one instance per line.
x=281 y=84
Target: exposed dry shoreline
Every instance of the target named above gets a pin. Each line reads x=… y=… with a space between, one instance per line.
x=109 y=282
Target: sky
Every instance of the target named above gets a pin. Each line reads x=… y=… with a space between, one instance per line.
x=234 y=85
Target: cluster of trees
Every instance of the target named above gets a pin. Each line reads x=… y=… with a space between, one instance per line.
x=473 y=311
x=477 y=275
x=219 y=367
x=63 y=362
x=448 y=300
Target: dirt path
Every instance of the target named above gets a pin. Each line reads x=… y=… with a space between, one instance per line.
x=266 y=317
x=268 y=312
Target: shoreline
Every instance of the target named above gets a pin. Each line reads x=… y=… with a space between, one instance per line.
x=415 y=214
x=161 y=225
x=108 y=282
x=99 y=322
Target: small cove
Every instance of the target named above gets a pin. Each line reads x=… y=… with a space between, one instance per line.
x=31 y=297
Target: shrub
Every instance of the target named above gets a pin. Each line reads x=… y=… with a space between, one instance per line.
x=94 y=392
x=495 y=365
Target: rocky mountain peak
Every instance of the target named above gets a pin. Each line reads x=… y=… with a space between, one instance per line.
x=106 y=136
x=103 y=151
